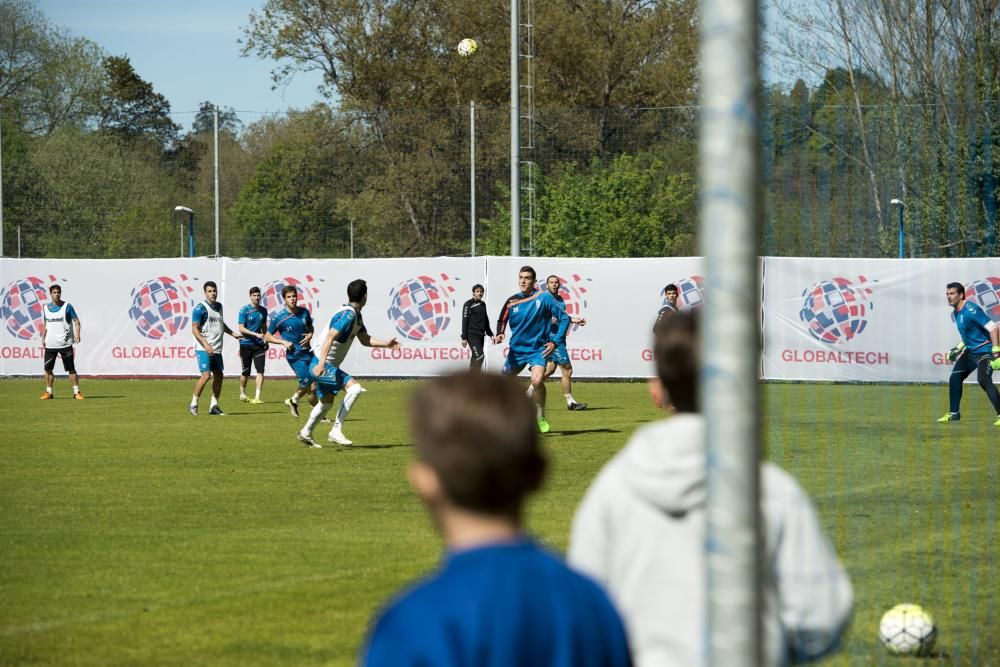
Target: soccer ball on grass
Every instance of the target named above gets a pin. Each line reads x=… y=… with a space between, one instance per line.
x=467 y=47
x=907 y=629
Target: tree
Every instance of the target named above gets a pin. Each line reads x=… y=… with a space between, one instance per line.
x=131 y=110
x=204 y=121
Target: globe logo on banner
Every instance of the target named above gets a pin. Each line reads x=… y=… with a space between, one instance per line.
x=308 y=291
x=21 y=304
x=160 y=306
x=690 y=293
x=836 y=310
x=985 y=293
x=574 y=295
x=420 y=307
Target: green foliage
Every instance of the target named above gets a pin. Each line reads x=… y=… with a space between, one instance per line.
x=131 y=110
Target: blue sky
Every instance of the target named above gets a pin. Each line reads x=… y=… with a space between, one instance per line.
x=187 y=49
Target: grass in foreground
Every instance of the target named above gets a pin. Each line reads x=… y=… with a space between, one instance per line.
x=133 y=533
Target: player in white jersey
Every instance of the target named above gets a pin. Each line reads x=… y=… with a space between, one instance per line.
x=345 y=325
x=209 y=330
x=60 y=331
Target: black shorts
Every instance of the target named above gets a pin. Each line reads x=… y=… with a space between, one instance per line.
x=252 y=354
x=67 y=358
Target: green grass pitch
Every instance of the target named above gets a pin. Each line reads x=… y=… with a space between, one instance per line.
x=134 y=534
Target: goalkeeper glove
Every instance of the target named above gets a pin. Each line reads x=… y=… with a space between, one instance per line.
x=955 y=352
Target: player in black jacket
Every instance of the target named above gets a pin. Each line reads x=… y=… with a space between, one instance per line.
x=476 y=327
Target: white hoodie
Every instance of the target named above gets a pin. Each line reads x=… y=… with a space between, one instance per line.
x=640 y=531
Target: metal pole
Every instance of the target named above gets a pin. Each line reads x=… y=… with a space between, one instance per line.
x=472 y=172
x=215 y=116
x=191 y=233
x=352 y=238
x=19 y=241
x=1 y=196
x=515 y=134
x=182 y=240
x=729 y=148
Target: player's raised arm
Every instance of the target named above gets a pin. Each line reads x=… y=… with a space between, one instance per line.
x=365 y=339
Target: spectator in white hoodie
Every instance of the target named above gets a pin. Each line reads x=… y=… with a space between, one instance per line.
x=640 y=530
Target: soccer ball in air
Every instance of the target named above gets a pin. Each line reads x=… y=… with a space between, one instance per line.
x=467 y=47
x=907 y=629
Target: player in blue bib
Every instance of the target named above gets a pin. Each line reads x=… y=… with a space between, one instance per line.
x=327 y=372
x=979 y=351
x=291 y=327
x=252 y=321
x=560 y=356
x=530 y=314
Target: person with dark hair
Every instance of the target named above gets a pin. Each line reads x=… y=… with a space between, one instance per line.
x=345 y=325
x=560 y=355
x=476 y=327
x=530 y=314
x=978 y=350
x=641 y=528
x=60 y=332
x=498 y=599
x=292 y=329
x=252 y=321
x=208 y=329
x=669 y=308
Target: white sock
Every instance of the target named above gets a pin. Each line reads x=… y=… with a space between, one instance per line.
x=350 y=396
x=294 y=399
x=314 y=416
x=194 y=401
x=214 y=403
x=76 y=389
x=243 y=393
x=48 y=390
x=539 y=411
x=257 y=394
x=569 y=399
x=531 y=390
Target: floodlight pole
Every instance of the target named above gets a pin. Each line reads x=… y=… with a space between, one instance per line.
x=215 y=117
x=515 y=132
x=901 y=205
x=472 y=174
x=1 y=191
x=185 y=209
x=730 y=168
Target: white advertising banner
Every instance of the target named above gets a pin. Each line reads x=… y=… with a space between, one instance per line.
x=868 y=320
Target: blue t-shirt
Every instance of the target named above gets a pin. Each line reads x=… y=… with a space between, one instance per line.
x=200 y=314
x=972 y=325
x=292 y=327
x=554 y=330
x=499 y=606
x=254 y=319
x=530 y=318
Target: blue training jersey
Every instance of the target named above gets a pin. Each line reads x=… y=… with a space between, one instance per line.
x=554 y=329
x=255 y=320
x=497 y=606
x=530 y=318
x=974 y=327
x=292 y=327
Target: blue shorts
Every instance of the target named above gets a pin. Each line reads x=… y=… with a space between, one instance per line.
x=330 y=380
x=559 y=356
x=208 y=363
x=516 y=362
x=302 y=367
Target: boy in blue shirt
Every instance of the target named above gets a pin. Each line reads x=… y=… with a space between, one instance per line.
x=208 y=330
x=560 y=355
x=530 y=314
x=292 y=329
x=498 y=598
x=252 y=321
x=978 y=351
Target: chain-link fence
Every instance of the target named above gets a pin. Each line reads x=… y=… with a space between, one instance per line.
x=615 y=182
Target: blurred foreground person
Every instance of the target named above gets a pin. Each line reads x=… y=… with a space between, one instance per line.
x=640 y=530
x=498 y=598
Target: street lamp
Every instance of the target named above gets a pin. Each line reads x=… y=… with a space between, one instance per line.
x=901 y=205
x=185 y=209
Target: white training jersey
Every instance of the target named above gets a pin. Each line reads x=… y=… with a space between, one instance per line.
x=58 y=327
x=348 y=324
x=212 y=328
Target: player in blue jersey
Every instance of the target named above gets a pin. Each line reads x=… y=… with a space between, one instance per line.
x=327 y=372
x=560 y=356
x=498 y=598
x=252 y=321
x=209 y=329
x=532 y=338
x=292 y=329
x=60 y=332
x=979 y=350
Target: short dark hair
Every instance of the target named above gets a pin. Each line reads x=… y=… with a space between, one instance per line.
x=958 y=287
x=676 y=351
x=209 y=283
x=478 y=286
x=478 y=432
x=357 y=290
x=528 y=269
x=670 y=288
x=55 y=286
x=255 y=290
x=288 y=289
x=553 y=276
